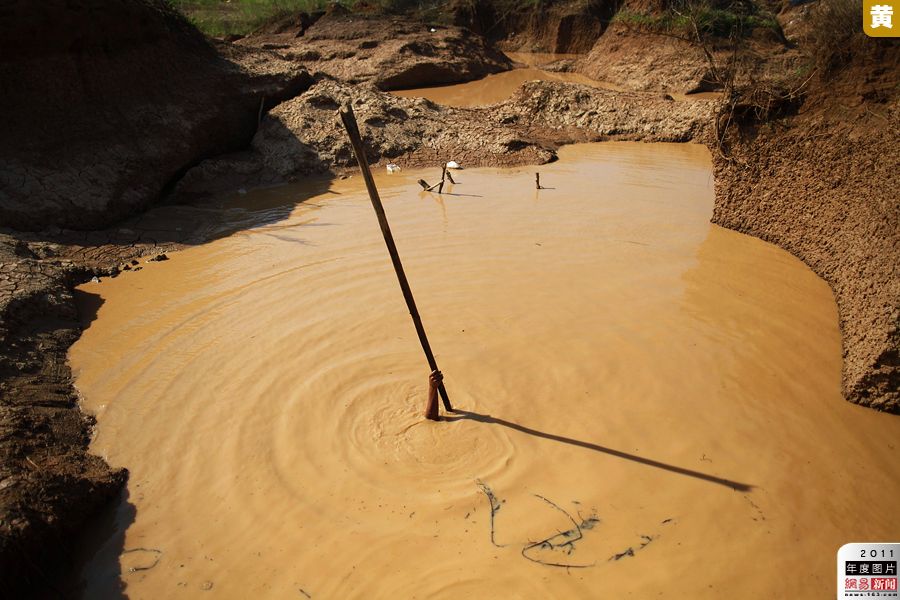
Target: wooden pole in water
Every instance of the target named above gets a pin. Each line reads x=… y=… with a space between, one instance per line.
x=443 y=177
x=352 y=128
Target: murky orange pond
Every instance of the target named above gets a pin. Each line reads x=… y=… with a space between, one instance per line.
x=499 y=87
x=649 y=404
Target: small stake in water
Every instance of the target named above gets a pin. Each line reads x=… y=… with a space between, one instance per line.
x=431 y=408
x=537 y=181
x=443 y=177
x=435 y=380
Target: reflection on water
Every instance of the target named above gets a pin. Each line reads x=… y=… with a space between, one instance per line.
x=661 y=392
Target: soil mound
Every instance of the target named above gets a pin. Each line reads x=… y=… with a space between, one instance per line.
x=645 y=61
x=821 y=184
x=106 y=103
x=390 y=52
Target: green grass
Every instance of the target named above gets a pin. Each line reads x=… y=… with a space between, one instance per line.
x=715 y=22
x=220 y=18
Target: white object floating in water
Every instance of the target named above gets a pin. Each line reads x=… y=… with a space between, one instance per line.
x=392 y=168
x=453 y=165
x=433 y=30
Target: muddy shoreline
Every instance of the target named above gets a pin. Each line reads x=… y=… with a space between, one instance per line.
x=49 y=483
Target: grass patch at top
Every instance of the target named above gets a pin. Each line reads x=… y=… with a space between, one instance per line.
x=219 y=18
x=710 y=21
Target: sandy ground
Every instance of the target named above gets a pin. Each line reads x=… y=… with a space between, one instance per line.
x=648 y=402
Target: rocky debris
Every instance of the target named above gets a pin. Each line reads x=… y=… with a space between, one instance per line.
x=822 y=185
x=106 y=104
x=561 y=113
x=391 y=53
x=304 y=136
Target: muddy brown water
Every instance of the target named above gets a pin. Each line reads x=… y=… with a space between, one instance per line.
x=498 y=87
x=653 y=397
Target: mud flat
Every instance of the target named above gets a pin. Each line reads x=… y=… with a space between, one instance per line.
x=640 y=392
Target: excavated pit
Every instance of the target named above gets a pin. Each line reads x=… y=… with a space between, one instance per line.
x=637 y=390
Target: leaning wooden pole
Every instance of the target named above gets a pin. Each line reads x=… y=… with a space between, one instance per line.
x=356 y=141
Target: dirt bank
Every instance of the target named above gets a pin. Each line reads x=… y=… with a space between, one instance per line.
x=105 y=104
x=558 y=27
x=822 y=185
x=644 y=61
x=48 y=482
x=389 y=52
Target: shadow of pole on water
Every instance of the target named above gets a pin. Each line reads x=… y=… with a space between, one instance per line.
x=459 y=415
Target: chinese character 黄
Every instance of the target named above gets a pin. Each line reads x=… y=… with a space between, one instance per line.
x=881 y=15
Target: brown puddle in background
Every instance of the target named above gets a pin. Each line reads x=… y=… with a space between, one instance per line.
x=620 y=359
x=498 y=87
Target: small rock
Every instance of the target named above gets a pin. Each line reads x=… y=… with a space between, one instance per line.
x=134 y=262
x=158 y=258
x=95 y=279
x=206 y=586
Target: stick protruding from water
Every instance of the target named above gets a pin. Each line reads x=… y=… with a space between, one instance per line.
x=349 y=120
